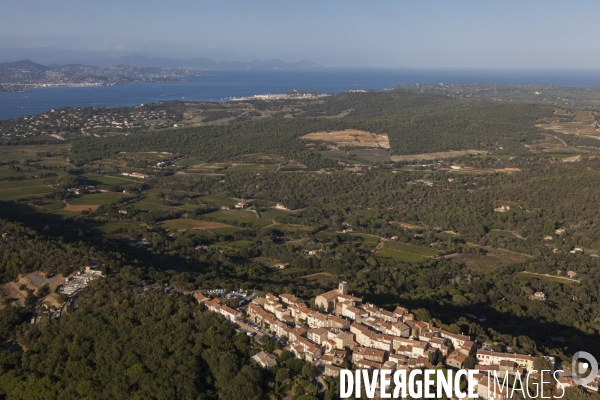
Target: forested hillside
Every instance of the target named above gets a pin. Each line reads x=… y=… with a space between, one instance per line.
x=414 y=123
x=124 y=344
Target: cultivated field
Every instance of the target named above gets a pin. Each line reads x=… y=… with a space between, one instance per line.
x=351 y=138
x=81 y=207
x=400 y=256
x=185 y=224
x=98 y=198
x=51 y=205
x=583 y=124
x=488 y=262
x=435 y=156
x=239 y=217
x=411 y=249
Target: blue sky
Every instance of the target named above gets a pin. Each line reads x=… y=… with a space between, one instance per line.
x=389 y=34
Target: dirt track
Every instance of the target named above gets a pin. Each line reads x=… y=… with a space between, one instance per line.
x=185 y=224
x=434 y=156
x=83 y=207
x=318 y=275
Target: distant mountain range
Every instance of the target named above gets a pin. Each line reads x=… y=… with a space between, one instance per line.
x=25 y=74
x=202 y=63
x=62 y=56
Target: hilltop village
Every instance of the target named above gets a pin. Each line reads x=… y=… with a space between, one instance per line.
x=346 y=328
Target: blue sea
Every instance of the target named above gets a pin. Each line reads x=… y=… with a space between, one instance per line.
x=219 y=86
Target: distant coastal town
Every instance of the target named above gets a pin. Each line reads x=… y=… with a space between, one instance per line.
x=293 y=95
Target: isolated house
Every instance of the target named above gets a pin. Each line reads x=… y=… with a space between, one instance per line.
x=265 y=360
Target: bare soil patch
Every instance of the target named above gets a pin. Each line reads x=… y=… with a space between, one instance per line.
x=11 y=291
x=572 y=159
x=82 y=207
x=435 y=156
x=32 y=281
x=406 y=225
x=508 y=169
x=561 y=279
x=351 y=138
x=267 y=262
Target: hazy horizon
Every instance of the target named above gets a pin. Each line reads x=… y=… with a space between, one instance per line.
x=351 y=34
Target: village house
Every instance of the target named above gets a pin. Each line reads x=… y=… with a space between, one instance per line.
x=456 y=339
x=399 y=329
x=456 y=359
x=326 y=359
x=341 y=340
x=415 y=348
x=200 y=297
x=315 y=319
x=362 y=334
x=418 y=362
x=488 y=357
x=294 y=333
x=566 y=381
x=408 y=317
x=349 y=311
x=468 y=348
x=304 y=348
x=332 y=370
x=399 y=312
x=368 y=365
x=382 y=342
x=336 y=322
x=509 y=367
x=290 y=299
x=495 y=392
x=380 y=313
x=215 y=305
x=397 y=359
x=540 y=296
x=318 y=335
x=440 y=344
x=360 y=353
x=336 y=357
x=339 y=356
x=376 y=324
